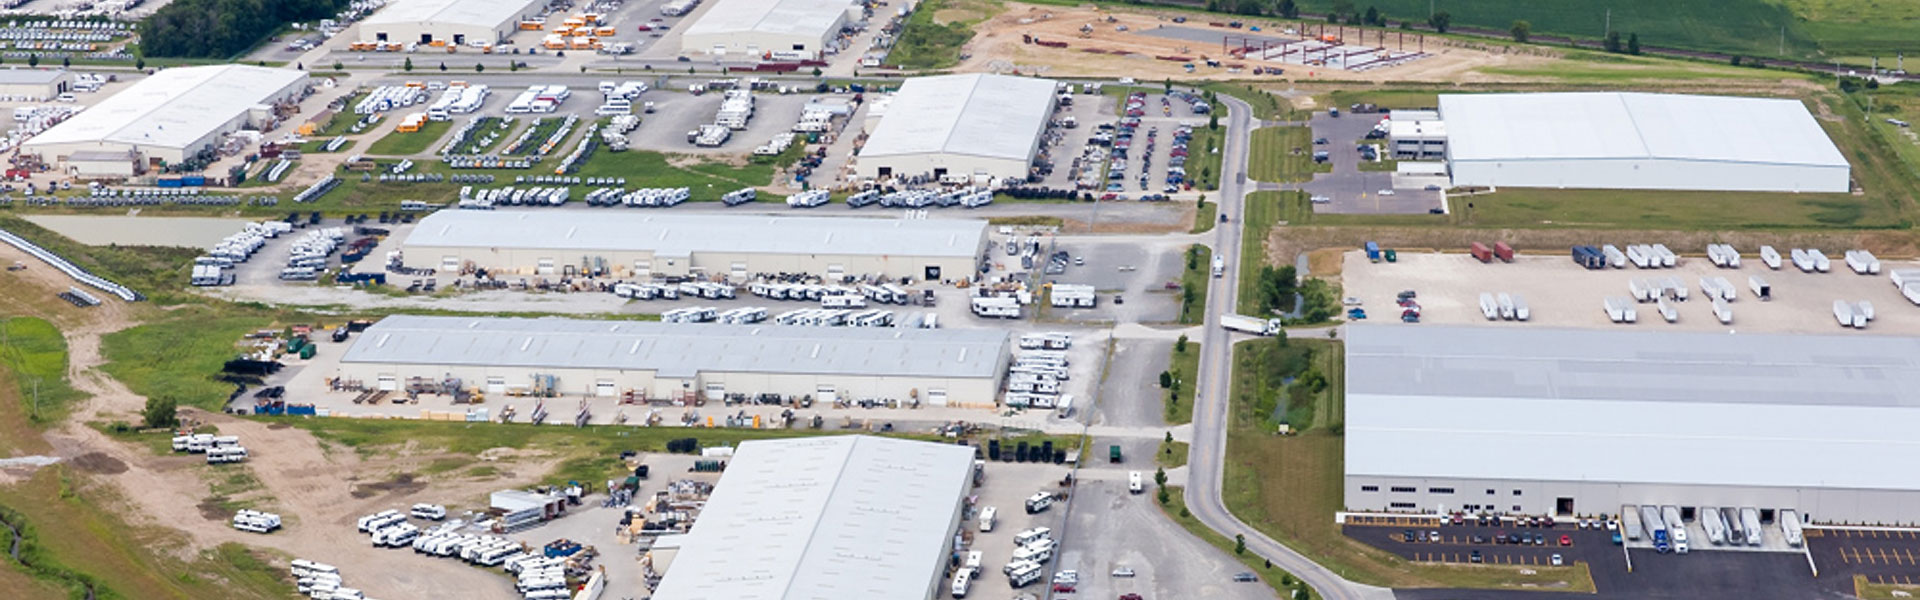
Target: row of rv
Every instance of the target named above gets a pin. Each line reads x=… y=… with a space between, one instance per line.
x=1667 y=530
x=211 y=269
x=922 y=198
x=691 y=289
x=817 y=317
x=1658 y=256
x=539 y=99
x=389 y=97
x=1032 y=549
x=256 y=521
x=321 y=581
x=307 y=257
x=885 y=293
x=1039 y=372
x=457 y=101
x=218 y=449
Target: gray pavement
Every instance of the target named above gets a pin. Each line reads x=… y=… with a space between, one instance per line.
x=1350 y=189
x=1110 y=529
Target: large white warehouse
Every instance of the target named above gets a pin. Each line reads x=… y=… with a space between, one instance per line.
x=1563 y=422
x=642 y=245
x=456 y=22
x=941 y=367
x=174 y=114
x=1617 y=140
x=960 y=125
x=789 y=29
x=825 y=517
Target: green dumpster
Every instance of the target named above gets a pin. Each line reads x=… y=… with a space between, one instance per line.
x=306 y=351
x=1392 y=256
x=1113 y=453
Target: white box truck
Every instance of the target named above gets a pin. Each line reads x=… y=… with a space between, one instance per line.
x=1253 y=325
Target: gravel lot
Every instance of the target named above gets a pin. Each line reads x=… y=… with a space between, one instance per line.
x=1561 y=294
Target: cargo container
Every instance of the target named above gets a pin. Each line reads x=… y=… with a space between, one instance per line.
x=1791 y=527
x=1667 y=311
x=1630 y=522
x=1843 y=313
x=1503 y=251
x=1656 y=528
x=1674 y=288
x=1520 y=310
x=1620 y=309
x=1667 y=258
x=1481 y=252
x=1736 y=533
x=1615 y=258
x=1750 y=520
x=1770 y=257
x=1643 y=290
x=1710 y=522
x=1489 y=307
x=1903 y=277
x=1863 y=262
x=1912 y=292
x=1506 y=306
x=1726 y=289
x=1802 y=260
x=1588 y=257
x=1638 y=255
x=1722 y=311
x=1760 y=288
x=1820 y=261
x=1864 y=309
x=1676 y=528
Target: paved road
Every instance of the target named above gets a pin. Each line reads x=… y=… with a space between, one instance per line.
x=1208 y=455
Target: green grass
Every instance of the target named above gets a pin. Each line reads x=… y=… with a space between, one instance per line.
x=1193 y=285
x=1283 y=155
x=75 y=537
x=178 y=355
x=1203 y=158
x=1616 y=209
x=1266 y=106
x=1385 y=98
x=1028 y=221
x=1205 y=216
x=318 y=145
x=341 y=120
x=1263 y=210
x=1185 y=367
x=1738 y=26
x=1380 y=166
x=1171 y=454
x=159 y=272
x=542 y=129
x=1289 y=486
x=930 y=41
x=34 y=353
x=407 y=144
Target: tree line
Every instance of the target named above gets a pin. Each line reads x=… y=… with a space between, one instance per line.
x=223 y=28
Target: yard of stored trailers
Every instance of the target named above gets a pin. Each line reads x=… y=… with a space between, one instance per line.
x=1562 y=294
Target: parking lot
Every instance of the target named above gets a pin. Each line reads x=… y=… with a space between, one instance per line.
x=1348 y=189
x=1891 y=557
x=1149 y=150
x=1501 y=544
x=1562 y=294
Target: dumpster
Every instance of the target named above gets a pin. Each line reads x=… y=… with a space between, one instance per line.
x=1113 y=453
x=1392 y=256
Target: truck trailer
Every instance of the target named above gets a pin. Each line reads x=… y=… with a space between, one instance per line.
x=1656 y=528
x=1253 y=325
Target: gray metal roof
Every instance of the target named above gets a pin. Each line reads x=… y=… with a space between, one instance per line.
x=824 y=518
x=679 y=234
x=19 y=76
x=1626 y=125
x=679 y=349
x=813 y=18
x=482 y=13
x=995 y=116
x=173 y=108
x=1626 y=406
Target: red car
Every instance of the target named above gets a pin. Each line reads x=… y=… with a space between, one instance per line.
x=1131 y=597
x=1063 y=588
x=646 y=27
x=1566 y=540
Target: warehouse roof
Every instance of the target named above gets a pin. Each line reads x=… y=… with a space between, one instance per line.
x=680 y=349
x=483 y=13
x=1618 y=406
x=817 y=18
x=18 y=76
x=994 y=116
x=826 y=517
x=1626 y=125
x=173 y=108
x=679 y=234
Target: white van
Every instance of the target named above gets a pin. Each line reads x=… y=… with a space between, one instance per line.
x=1133 y=483
x=987 y=516
x=962 y=582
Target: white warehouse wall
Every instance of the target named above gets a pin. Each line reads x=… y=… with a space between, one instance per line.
x=1594 y=497
x=908 y=165
x=1650 y=174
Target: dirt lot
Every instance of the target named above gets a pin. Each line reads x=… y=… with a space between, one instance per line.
x=1561 y=294
x=998 y=47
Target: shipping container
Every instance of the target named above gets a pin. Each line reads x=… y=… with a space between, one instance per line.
x=1791 y=526
x=1843 y=314
x=1722 y=311
x=1630 y=522
x=1667 y=310
x=1615 y=258
x=1520 y=310
x=1656 y=528
x=1760 y=288
x=1711 y=523
x=1373 y=251
x=1489 y=307
x=1676 y=528
x=1736 y=533
x=1481 y=252
x=1750 y=519
x=1620 y=309
x=1770 y=257
x=1820 y=261
x=1503 y=251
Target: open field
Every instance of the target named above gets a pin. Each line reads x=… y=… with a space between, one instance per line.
x=1176 y=508
x=937 y=31
x=1263 y=212
x=177 y=356
x=407 y=144
x=1283 y=155
x=1193 y=310
x=1289 y=486
x=35 y=357
x=1184 y=368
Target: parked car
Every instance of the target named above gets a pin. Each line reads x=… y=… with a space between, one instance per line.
x=1245 y=577
x=1556 y=560
x=1124 y=572
x=1566 y=540
x=1474 y=557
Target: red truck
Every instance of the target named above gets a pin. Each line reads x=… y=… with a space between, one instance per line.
x=1502 y=250
x=1481 y=252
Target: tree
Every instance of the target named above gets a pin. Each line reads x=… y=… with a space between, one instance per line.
x=1166 y=379
x=1274 y=288
x=1169 y=85
x=479 y=68
x=339 y=67
x=1169 y=437
x=1520 y=31
x=443 y=66
x=1373 y=17
x=408 y=65
x=1289 y=10
x=1612 y=43
x=1186 y=301
x=1160 y=475
x=1180 y=345
x=816 y=71
x=140 y=64
x=1440 y=21
x=1633 y=43
x=1164 y=496
x=33 y=60
x=1239 y=543
x=1341 y=8
x=66 y=62
x=161 y=412
x=1213 y=121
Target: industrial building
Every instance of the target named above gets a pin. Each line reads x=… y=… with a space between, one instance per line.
x=642 y=245
x=34 y=85
x=1616 y=140
x=172 y=115
x=786 y=29
x=960 y=125
x=1564 y=422
x=455 y=22
x=1416 y=134
x=825 y=517
x=683 y=361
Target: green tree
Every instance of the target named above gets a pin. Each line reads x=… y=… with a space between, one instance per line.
x=1289 y=10
x=1373 y=17
x=140 y=64
x=1341 y=8
x=1213 y=121
x=1180 y=345
x=160 y=412
x=1440 y=21
x=1612 y=43
x=1275 y=288
x=66 y=62
x=479 y=68
x=338 y=67
x=1164 y=496
x=1239 y=543
x=1169 y=85
x=1633 y=43
x=1520 y=31
x=1166 y=379
x=408 y=65
x=33 y=60
x=1160 y=475
x=1186 y=301
x=1169 y=437
x=816 y=71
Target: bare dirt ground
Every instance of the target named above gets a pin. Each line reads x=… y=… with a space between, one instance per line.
x=998 y=46
x=320 y=489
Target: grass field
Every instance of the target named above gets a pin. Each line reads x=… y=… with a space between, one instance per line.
x=1171 y=454
x=75 y=537
x=1185 y=367
x=1283 y=155
x=935 y=32
x=35 y=356
x=178 y=355
x=1289 y=486
x=1205 y=216
x=1193 y=308
x=160 y=273
x=407 y=144
x=1263 y=210
x=1203 y=156
x=1740 y=26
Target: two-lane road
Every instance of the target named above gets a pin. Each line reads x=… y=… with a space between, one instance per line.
x=1208 y=456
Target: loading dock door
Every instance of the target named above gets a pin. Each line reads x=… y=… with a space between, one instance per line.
x=1562 y=507
x=389 y=383
x=496 y=386
x=604 y=388
x=933 y=273
x=825 y=395
x=716 y=392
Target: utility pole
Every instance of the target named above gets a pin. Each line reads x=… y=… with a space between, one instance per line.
x=1609 y=27
x=1783 y=41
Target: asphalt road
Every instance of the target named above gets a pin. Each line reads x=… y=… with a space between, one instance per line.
x=1207 y=457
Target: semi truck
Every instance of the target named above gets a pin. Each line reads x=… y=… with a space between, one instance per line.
x=1676 y=528
x=1736 y=532
x=1750 y=519
x=1656 y=528
x=1253 y=325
